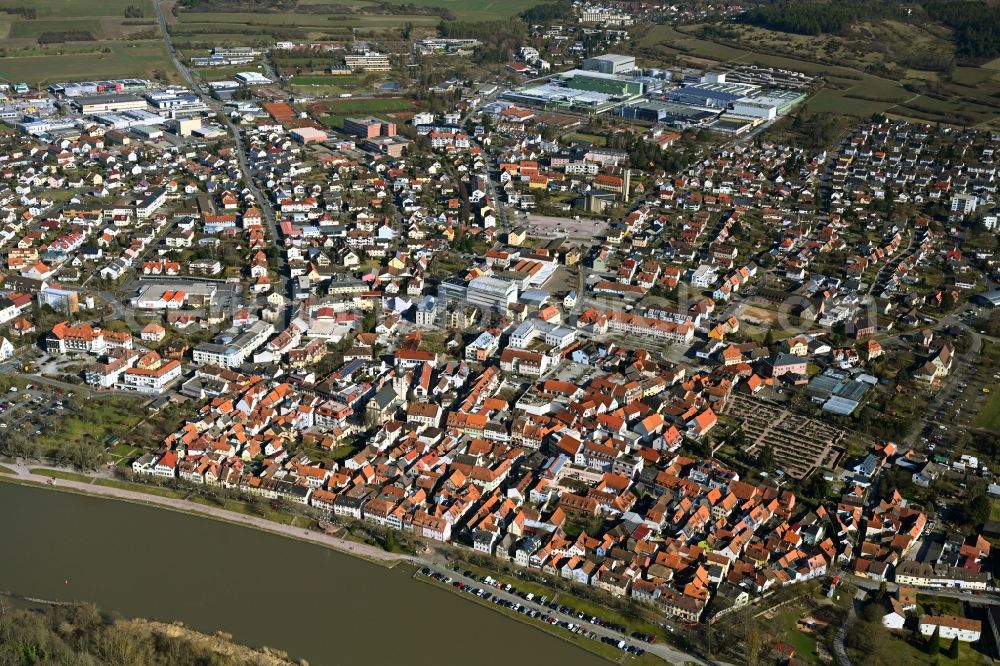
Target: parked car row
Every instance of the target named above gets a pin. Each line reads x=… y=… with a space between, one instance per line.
x=572 y=627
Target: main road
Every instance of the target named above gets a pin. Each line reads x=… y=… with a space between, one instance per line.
x=263 y=202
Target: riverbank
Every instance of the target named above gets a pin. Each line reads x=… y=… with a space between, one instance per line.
x=20 y=473
x=556 y=632
x=318 y=604
x=40 y=626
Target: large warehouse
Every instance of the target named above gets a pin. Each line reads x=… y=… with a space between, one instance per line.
x=610 y=63
x=714 y=95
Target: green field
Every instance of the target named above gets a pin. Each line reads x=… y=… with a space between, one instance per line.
x=346 y=107
x=149 y=489
x=477 y=10
x=143 y=59
x=33 y=29
x=81 y=8
x=320 y=80
x=60 y=474
x=989 y=416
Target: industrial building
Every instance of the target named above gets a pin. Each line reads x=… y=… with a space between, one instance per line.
x=768 y=106
x=660 y=111
x=610 y=63
x=711 y=95
x=76 y=89
x=88 y=104
x=579 y=90
x=252 y=79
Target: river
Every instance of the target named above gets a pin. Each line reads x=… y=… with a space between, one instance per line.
x=309 y=601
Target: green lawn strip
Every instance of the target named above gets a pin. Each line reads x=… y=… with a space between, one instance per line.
x=589 y=608
x=6 y=470
x=604 y=650
x=237 y=506
x=989 y=416
x=148 y=489
x=61 y=474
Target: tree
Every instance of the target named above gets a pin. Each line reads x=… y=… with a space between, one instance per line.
x=934 y=642
x=976 y=511
x=754 y=642
x=765 y=458
x=953 y=648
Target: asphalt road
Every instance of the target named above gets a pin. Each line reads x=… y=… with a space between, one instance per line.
x=263 y=203
x=659 y=649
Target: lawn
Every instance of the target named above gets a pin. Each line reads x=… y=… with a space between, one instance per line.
x=906 y=651
x=94 y=419
x=327 y=80
x=123 y=454
x=347 y=107
x=148 y=489
x=60 y=474
x=595 y=139
x=6 y=470
x=988 y=417
x=237 y=506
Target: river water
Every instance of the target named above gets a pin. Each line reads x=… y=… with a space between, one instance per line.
x=264 y=589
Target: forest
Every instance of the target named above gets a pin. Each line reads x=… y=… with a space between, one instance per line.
x=976 y=26
x=816 y=18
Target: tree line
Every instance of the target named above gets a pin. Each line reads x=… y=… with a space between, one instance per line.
x=976 y=26
x=814 y=18
x=80 y=634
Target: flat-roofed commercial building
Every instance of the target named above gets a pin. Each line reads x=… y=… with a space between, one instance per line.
x=491 y=292
x=610 y=63
x=104 y=103
x=232 y=347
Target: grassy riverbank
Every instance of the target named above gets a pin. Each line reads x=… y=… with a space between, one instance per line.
x=253 y=521
x=603 y=650
x=575 y=602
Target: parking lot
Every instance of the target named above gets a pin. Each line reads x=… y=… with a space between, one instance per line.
x=545 y=226
x=28 y=409
x=543 y=610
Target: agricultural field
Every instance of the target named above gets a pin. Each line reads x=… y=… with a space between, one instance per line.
x=463 y=10
x=199 y=26
x=117 y=47
x=120 y=59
